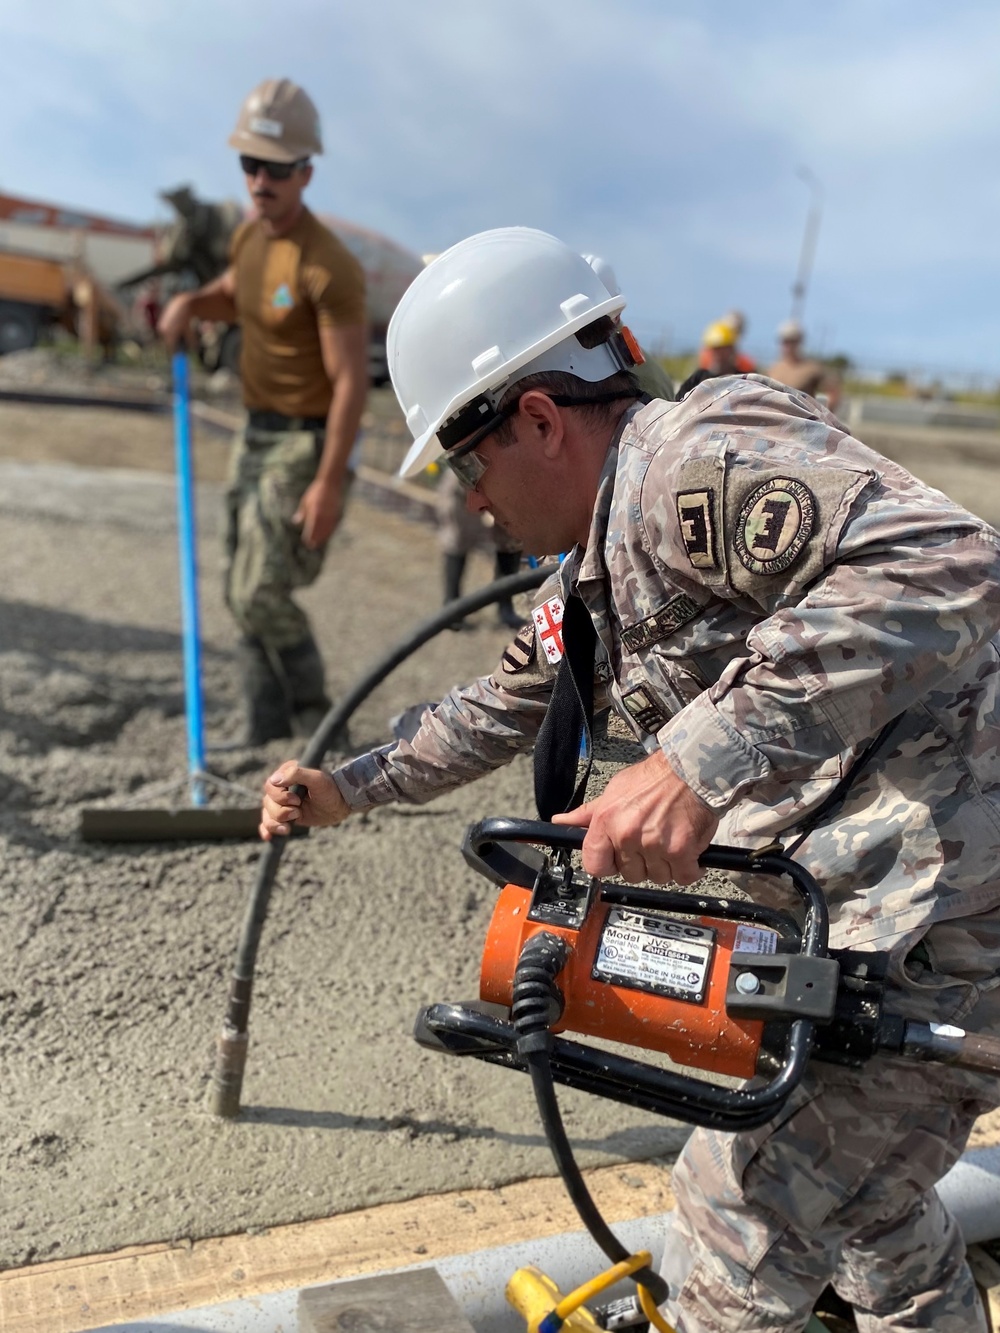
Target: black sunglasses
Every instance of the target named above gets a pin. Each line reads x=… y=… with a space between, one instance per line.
x=276 y=171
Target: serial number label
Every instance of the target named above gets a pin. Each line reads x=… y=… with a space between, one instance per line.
x=655 y=953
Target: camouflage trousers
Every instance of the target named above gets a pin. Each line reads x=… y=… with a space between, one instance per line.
x=266 y=559
x=838 y=1188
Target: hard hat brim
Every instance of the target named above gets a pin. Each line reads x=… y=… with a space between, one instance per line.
x=259 y=145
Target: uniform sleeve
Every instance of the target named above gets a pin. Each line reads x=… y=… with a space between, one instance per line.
x=871 y=590
x=473 y=730
x=335 y=286
x=476 y=728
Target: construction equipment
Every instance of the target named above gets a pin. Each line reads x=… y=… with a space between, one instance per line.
x=138 y=822
x=37 y=294
x=195 y=249
x=720 y=985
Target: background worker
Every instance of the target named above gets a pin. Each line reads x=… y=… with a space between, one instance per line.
x=743 y=364
x=299 y=297
x=802 y=372
x=776 y=607
x=718 y=356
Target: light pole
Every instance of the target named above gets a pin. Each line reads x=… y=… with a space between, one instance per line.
x=808 y=241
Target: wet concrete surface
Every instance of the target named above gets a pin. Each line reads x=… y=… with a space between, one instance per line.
x=114 y=960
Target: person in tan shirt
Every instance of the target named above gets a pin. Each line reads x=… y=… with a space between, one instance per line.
x=801 y=372
x=299 y=297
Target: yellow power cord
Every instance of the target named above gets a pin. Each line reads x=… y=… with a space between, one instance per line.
x=528 y=1285
x=598 y=1284
x=649 y=1309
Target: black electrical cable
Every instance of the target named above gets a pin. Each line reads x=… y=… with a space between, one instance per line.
x=227 y=1076
x=537 y=1004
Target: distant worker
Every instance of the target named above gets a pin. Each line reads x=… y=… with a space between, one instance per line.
x=735 y=320
x=718 y=357
x=299 y=296
x=801 y=372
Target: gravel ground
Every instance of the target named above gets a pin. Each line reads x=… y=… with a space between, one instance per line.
x=114 y=960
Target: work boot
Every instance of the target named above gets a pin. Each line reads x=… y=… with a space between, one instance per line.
x=508 y=562
x=454 y=568
x=305 y=684
x=264 y=695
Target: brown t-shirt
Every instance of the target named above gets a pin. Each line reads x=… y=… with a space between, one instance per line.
x=804 y=375
x=286 y=288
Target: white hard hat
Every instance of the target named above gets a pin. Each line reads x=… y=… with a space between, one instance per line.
x=605 y=272
x=790 y=331
x=493 y=309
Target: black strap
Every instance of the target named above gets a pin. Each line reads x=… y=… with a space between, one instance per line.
x=839 y=794
x=568 y=718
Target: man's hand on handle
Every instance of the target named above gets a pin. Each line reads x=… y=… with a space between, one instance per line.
x=321 y=807
x=175 y=321
x=646 y=825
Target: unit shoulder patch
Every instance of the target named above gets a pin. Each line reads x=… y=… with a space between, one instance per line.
x=774 y=524
x=521 y=652
x=548 y=619
x=696 y=515
x=645 y=709
x=661 y=624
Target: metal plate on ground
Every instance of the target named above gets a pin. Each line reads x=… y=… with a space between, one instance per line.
x=413 y=1302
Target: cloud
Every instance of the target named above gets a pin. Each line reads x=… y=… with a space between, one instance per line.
x=667 y=137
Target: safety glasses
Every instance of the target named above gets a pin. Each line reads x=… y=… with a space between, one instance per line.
x=467 y=465
x=275 y=171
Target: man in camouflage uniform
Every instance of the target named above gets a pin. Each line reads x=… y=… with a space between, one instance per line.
x=768 y=595
x=299 y=297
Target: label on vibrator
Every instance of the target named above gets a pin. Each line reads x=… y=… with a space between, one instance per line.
x=655 y=953
x=755 y=939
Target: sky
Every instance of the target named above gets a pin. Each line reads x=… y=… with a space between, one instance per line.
x=683 y=142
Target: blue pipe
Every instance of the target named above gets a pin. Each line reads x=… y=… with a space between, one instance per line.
x=189 y=579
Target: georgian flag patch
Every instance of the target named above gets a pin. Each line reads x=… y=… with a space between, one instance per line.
x=548 y=620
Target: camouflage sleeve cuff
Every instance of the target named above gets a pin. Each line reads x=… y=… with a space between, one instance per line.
x=363 y=782
x=709 y=754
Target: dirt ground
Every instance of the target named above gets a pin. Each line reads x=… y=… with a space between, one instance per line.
x=114 y=959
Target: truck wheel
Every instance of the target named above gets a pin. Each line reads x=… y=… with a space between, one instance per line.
x=18 y=327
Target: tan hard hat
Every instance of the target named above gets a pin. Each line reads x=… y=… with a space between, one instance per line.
x=278 y=122
x=790 y=331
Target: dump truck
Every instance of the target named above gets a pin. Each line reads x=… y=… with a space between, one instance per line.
x=34 y=294
x=194 y=249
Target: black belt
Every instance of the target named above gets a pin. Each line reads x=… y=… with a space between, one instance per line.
x=258 y=420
